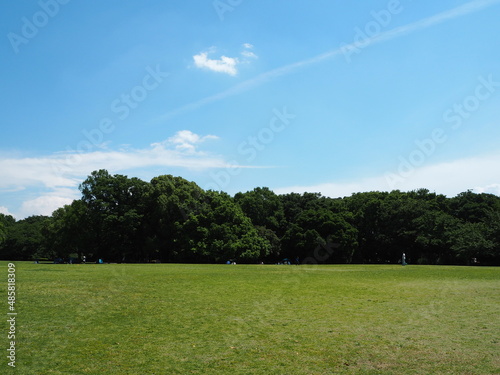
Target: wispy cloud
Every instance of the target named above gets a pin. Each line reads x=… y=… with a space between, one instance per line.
x=65 y=169
x=247 y=53
x=463 y=10
x=480 y=174
x=60 y=174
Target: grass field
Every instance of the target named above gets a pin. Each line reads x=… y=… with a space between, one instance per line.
x=251 y=319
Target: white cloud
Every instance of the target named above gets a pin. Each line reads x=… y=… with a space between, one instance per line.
x=186 y=140
x=480 y=174
x=223 y=65
x=60 y=174
x=65 y=169
x=5 y=211
x=490 y=189
x=44 y=205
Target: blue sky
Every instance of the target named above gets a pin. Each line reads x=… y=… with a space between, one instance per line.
x=319 y=96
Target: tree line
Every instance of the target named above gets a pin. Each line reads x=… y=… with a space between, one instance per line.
x=170 y=219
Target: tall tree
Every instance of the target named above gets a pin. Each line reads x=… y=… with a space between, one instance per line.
x=68 y=231
x=220 y=231
x=474 y=208
x=171 y=201
x=6 y=221
x=116 y=209
x=25 y=240
x=470 y=240
x=263 y=207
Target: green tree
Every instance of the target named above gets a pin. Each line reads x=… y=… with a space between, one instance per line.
x=294 y=204
x=6 y=221
x=366 y=209
x=275 y=249
x=474 y=208
x=329 y=231
x=398 y=230
x=318 y=227
x=493 y=225
x=3 y=233
x=434 y=233
x=171 y=201
x=219 y=231
x=25 y=240
x=470 y=240
x=68 y=231
x=116 y=207
x=263 y=207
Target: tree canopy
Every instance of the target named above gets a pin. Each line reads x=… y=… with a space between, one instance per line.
x=170 y=219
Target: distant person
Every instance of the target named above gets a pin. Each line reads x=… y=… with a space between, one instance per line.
x=297 y=261
x=403 y=259
x=84 y=259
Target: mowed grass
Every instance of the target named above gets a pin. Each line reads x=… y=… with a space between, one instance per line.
x=252 y=319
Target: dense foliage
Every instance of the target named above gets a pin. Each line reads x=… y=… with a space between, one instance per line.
x=122 y=219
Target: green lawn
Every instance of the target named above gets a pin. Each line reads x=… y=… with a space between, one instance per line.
x=251 y=319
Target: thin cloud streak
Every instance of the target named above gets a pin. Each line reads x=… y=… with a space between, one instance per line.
x=471 y=7
x=460 y=11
